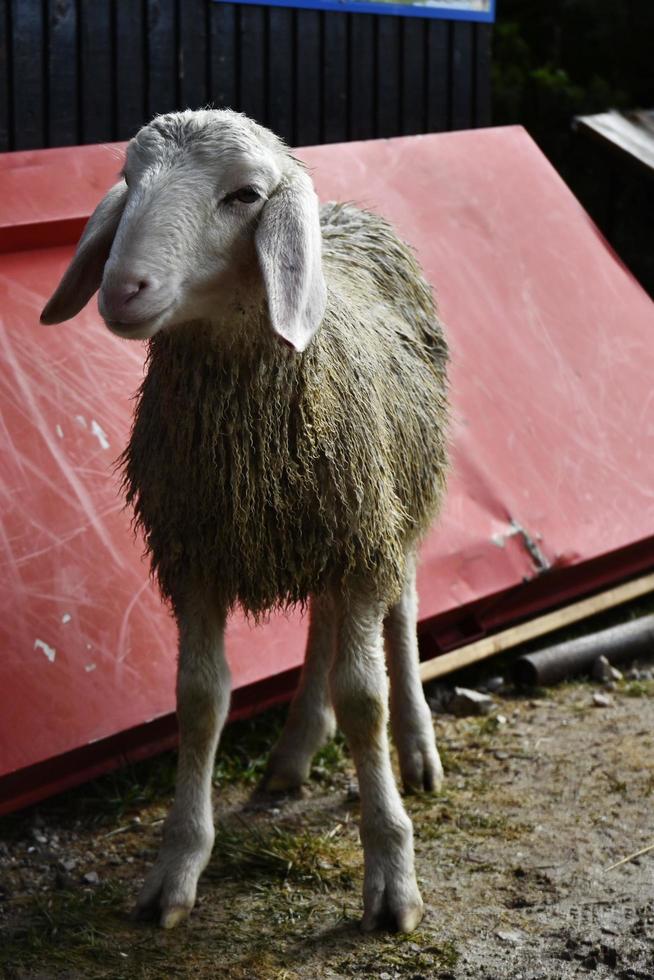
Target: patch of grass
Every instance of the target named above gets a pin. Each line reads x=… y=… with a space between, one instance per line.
x=278 y=854
x=456 y=816
x=488 y=725
x=414 y=957
x=615 y=785
x=241 y=759
x=638 y=689
x=487 y=824
x=73 y=929
x=102 y=802
x=245 y=746
x=451 y=759
x=332 y=758
x=475 y=821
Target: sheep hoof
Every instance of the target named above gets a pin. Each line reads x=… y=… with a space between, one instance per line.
x=280 y=783
x=157 y=902
x=420 y=767
x=150 y=906
x=168 y=893
x=392 y=913
x=274 y=790
x=172 y=917
x=283 y=776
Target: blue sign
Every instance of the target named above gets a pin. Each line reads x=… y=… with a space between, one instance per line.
x=479 y=10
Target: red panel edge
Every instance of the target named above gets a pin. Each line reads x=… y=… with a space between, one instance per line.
x=44 y=779
x=42 y=234
x=551 y=589
x=545 y=592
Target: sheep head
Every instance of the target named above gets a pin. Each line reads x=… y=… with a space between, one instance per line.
x=211 y=215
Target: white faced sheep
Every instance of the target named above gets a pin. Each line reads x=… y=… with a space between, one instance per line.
x=289 y=446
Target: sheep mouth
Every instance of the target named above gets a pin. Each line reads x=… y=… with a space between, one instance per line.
x=138 y=329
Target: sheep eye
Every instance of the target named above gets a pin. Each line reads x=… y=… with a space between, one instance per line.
x=246 y=195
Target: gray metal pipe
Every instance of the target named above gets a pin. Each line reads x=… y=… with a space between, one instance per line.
x=572 y=657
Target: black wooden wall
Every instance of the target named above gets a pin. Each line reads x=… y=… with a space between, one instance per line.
x=89 y=71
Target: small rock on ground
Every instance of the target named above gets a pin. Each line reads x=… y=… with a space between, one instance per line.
x=492 y=684
x=466 y=702
x=601 y=670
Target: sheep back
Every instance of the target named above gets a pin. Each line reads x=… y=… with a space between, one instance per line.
x=266 y=476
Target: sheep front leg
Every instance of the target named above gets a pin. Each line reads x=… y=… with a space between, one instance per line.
x=360 y=694
x=411 y=722
x=310 y=721
x=203 y=689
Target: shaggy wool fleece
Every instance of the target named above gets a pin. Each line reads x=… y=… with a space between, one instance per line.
x=264 y=475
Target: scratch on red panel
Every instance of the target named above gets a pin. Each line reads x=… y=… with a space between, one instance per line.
x=76 y=485
x=100 y=434
x=122 y=635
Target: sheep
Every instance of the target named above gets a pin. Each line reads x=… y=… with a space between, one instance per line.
x=289 y=447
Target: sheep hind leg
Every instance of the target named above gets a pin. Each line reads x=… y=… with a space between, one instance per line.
x=359 y=686
x=203 y=689
x=310 y=722
x=411 y=721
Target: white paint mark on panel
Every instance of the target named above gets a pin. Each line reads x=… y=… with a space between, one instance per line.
x=49 y=651
x=59 y=431
x=501 y=539
x=81 y=420
x=66 y=618
x=89 y=667
x=100 y=434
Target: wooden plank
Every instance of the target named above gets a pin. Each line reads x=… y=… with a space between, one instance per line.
x=6 y=135
x=334 y=78
x=96 y=72
x=462 y=75
x=131 y=108
x=222 y=55
x=162 y=74
x=388 y=75
x=62 y=122
x=482 y=73
x=413 y=105
x=632 y=140
x=252 y=62
x=438 y=75
x=362 y=77
x=27 y=89
x=193 y=53
x=540 y=626
x=308 y=78
x=281 y=89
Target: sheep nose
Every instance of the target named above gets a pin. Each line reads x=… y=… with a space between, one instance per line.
x=130 y=298
x=119 y=296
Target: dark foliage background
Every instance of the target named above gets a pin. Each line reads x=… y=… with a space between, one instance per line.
x=554 y=59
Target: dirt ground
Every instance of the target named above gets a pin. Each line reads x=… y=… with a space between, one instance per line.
x=513 y=857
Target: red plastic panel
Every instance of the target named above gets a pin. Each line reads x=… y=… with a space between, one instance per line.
x=553 y=438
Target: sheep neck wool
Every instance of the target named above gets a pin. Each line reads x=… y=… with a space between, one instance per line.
x=261 y=475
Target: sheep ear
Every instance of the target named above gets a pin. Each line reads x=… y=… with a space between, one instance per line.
x=289 y=245
x=84 y=274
